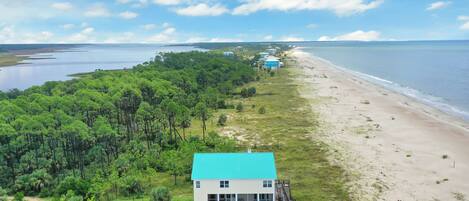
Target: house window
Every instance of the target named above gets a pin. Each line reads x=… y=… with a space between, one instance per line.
x=266 y=197
x=212 y=197
x=197 y=184
x=227 y=197
x=267 y=184
x=224 y=184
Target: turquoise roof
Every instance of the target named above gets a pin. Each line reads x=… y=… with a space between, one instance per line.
x=234 y=166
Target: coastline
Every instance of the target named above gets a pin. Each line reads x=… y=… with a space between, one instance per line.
x=392 y=146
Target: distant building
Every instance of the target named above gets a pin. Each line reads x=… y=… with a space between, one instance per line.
x=272 y=62
x=263 y=55
x=271 y=51
x=235 y=177
x=228 y=54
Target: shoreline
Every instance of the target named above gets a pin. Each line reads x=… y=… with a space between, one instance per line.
x=393 y=146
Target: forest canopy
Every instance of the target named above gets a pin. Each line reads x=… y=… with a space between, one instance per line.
x=90 y=136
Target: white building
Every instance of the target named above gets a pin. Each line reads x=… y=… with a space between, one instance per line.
x=234 y=177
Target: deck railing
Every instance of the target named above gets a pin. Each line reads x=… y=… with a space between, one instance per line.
x=282 y=190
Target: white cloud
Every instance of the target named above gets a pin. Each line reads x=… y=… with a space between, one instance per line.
x=166 y=25
x=312 y=26
x=340 y=7
x=68 y=26
x=166 y=36
x=63 y=6
x=85 y=36
x=9 y=35
x=268 y=37
x=438 y=5
x=149 y=26
x=196 y=39
x=168 y=2
x=465 y=26
x=202 y=9
x=465 y=19
x=291 y=39
x=97 y=10
x=123 y=1
x=354 y=36
x=88 y=30
x=225 y=40
x=128 y=15
x=126 y=37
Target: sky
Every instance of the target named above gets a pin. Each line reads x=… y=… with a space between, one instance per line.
x=185 y=21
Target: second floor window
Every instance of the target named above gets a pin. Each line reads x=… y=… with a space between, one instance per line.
x=197 y=184
x=267 y=183
x=224 y=184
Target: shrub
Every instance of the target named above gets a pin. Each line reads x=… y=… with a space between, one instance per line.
x=19 y=196
x=3 y=194
x=160 y=194
x=222 y=120
x=251 y=91
x=244 y=93
x=239 y=107
x=262 y=110
x=272 y=73
x=77 y=185
x=132 y=186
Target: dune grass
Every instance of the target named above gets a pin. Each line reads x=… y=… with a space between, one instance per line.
x=287 y=128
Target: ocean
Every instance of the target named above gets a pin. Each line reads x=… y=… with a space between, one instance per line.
x=72 y=59
x=434 y=72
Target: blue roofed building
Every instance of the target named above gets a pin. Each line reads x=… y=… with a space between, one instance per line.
x=234 y=176
x=272 y=62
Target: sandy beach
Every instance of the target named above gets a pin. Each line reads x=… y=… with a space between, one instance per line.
x=391 y=146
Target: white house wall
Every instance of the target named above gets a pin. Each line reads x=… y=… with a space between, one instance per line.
x=235 y=187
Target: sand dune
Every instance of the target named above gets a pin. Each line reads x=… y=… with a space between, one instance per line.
x=392 y=147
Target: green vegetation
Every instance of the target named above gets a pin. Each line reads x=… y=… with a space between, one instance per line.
x=9 y=59
x=130 y=134
x=288 y=129
x=160 y=194
x=116 y=134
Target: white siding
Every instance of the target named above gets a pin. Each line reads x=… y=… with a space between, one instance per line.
x=236 y=187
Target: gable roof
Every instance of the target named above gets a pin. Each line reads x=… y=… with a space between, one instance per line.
x=234 y=166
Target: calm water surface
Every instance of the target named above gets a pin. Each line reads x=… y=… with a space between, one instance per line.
x=435 y=72
x=84 y=58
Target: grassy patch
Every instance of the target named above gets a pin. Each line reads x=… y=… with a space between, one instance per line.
x=9 y=59
x=287 y=128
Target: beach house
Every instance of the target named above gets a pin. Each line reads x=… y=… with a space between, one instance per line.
x=228 y=54
x=272 y=63
x=271 y=51
x=263 y=55
x=234 y=177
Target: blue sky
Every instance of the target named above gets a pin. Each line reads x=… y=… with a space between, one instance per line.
x=163 y=21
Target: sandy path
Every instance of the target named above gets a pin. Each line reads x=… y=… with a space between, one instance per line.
x=392 y=147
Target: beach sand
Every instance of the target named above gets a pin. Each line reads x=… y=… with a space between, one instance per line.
x=391 y=146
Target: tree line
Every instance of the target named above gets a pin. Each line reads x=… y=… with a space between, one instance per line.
x=91 y=136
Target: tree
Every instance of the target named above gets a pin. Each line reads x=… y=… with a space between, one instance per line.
x=239 y=107
x=222 y=120
x=203 y=113
x=160 y=194
x=251 y=91
x=173 y=161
